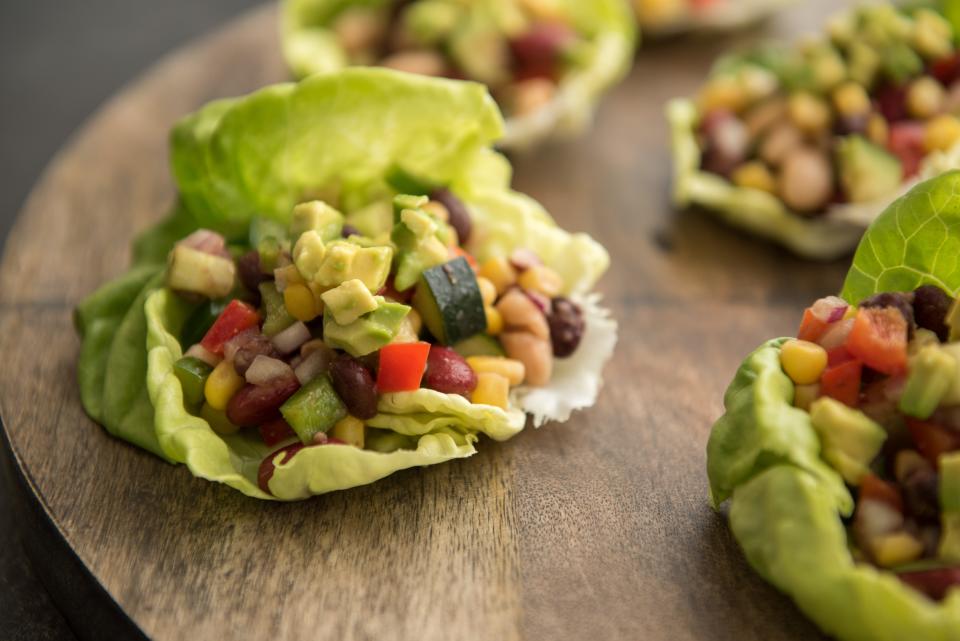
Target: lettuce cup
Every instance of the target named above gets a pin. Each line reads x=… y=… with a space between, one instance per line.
x=348 y=287
x=839 y=451
x=805 y=145
x=546 y=62
x=670 y=17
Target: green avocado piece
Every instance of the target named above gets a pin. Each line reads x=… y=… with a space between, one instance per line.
x=932 y=374
x=345 y=261
x=418 y=246
x=900 y=62
x=368 y=333
x=191 y=270
x=431 y=21
x=867 y=172
x=318 y=216
x=849 y=438
x=373 y=219
x=314 y=408
x=349 y=301
x=950 y=505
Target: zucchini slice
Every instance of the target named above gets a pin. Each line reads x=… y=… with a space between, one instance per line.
x=449 y=301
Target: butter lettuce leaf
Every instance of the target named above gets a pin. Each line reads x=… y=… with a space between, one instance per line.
x=789 y=527
x=235 y=459
x=915 y=241
x=310 y=47
x=262 y=154
x=426 y=410
x=761 y=429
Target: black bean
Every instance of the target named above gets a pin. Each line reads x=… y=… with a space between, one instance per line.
x=248 y=268
x=566 y=326
x=253 y=345
x=355 y=386
x=921 y=490
x=930 y=307
x=459 y=216
x=901 y=301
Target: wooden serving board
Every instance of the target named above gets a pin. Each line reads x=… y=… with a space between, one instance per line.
x=599 y=528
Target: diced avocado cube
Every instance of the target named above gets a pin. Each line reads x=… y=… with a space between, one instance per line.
x=371 y=265
x=931 y=375
x=932 y=34
x=192 y=374
x=950 y=506
x=275 y=310
x=373 y=219
x=349 y=301
x=864 y=63
x=308 y=254
x=336 y=265
x=407 y=201
x=419 y=222
x=193 y=271
x=867 y=172
x=449 y=301
x=429 y=253
x=314 y=408
x=430 y=21
x=849 y=439
x=316 y=216
x=368 y=333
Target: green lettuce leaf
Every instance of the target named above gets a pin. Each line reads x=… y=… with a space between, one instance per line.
x=788 y=525
x=608 y=25
x=426 y=410
x=234 y=460
x=915 y=241
x=260 y=155
x=761 y=429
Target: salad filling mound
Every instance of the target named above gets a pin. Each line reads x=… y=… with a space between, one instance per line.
x=535 y=56
x=880 y=383
x=806 y=145
x=319 y=331
x=666 y=17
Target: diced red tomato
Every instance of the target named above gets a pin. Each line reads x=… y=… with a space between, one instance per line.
x=275 y=431
x=842 y=382
x=838 y=355
x=906 y=143
x=879 y=339
x=402 y=366
x=818 y=318
x=873 y=488
x=931 y=439
x=235 y=318
x=457 y=252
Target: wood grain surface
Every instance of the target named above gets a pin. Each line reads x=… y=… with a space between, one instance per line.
x=599 y=528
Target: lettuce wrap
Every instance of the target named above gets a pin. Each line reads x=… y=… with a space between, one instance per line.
x=805 y=145
x=662 y=18
x=319 y=35
x=770 y=458
x=242 y=165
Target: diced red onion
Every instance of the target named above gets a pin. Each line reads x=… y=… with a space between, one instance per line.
x=208 y=242
x=523 y=259
x=265 y=369
x=837 y=314
x=312 y=366
x=290 y=339
x=205 y=355
x=836 y=334
x=231 y=346
x=829 y=309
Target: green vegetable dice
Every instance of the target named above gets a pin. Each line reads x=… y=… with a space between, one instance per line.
x=314 y=408
x=192 y=373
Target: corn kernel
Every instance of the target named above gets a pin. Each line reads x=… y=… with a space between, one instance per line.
x=878 y=131
x=511 y=369
x=494 y=320
x=803 y=361
x=299 y=301
x=488 y=291
x=221 y=385
x=500 y=272
x=350 y=430
x=851 y=99
x=755 y=175
x=722 y=92
x=895 y=549
x=809 y=113
x=925 y=97
x=218 y=420
x=541 y=278
x=850 y=313
x=492 y=389
x=941 y=133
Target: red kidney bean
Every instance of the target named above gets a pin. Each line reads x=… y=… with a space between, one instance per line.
x=566 y=326
x=248 y=269
x=892 y=102
x=275 y=431
x=257 y=404
x=930 y=308
x=355 y=386
x=265 y=473
x=537 y=52
x=459 y=216
x=448 y=372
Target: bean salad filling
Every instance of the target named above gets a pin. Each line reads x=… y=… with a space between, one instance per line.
x=520 y=49
x=881 y=384
x=299 y=331
x=847 y=118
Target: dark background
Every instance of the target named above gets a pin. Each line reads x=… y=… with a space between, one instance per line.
x=59 y=60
